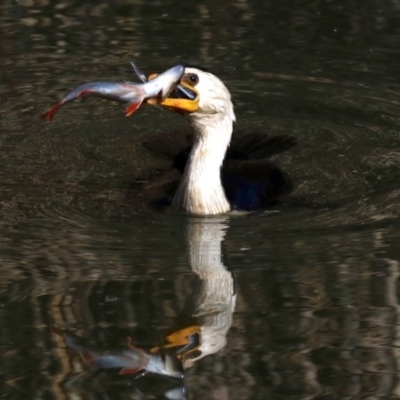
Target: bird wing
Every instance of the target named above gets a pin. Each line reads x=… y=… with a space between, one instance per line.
x=258 y=145
x=176 y=145
x=250 y=179
x=173 y=146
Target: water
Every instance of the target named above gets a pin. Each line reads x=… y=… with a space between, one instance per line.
x=298 y=301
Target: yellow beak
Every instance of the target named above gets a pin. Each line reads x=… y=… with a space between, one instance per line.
x=177 y=104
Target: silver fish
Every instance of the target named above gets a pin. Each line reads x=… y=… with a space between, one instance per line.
x=125 y=92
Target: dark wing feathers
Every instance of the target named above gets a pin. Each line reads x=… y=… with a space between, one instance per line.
x=251 y=181
x=258 y=145
x=156 y=191
x=253 y=184
x=176 y=146
x=171 y=145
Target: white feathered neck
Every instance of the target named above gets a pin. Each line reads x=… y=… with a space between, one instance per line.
x=200 y=190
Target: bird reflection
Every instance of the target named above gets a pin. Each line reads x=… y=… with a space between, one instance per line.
x=199 y=330
x=213 y=302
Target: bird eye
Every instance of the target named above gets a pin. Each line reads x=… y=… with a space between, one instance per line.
x=193 y=78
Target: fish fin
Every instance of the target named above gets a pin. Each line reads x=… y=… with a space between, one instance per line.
x=132 y=107
x=87 y=356
x=50 y=114
x=56 y=330
x=130 y=345
x=129 y=371
x=142 y=353
x=84 y=93
x=139 y=73
x=160 y=96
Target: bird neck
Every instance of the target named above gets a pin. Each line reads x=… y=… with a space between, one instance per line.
x=200 y=190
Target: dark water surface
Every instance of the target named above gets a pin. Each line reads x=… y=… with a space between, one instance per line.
x=300 y=301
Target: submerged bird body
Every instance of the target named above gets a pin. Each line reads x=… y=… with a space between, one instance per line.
x=215 y=170
x=249 y=180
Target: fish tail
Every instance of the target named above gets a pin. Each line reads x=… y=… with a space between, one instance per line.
x=50 y=114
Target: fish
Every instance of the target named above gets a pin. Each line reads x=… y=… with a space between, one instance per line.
x=124 y=92
x=130 y=360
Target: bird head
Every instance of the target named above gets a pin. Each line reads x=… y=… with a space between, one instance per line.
x=200 y=95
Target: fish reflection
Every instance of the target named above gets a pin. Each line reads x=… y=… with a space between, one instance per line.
x=130 y=360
